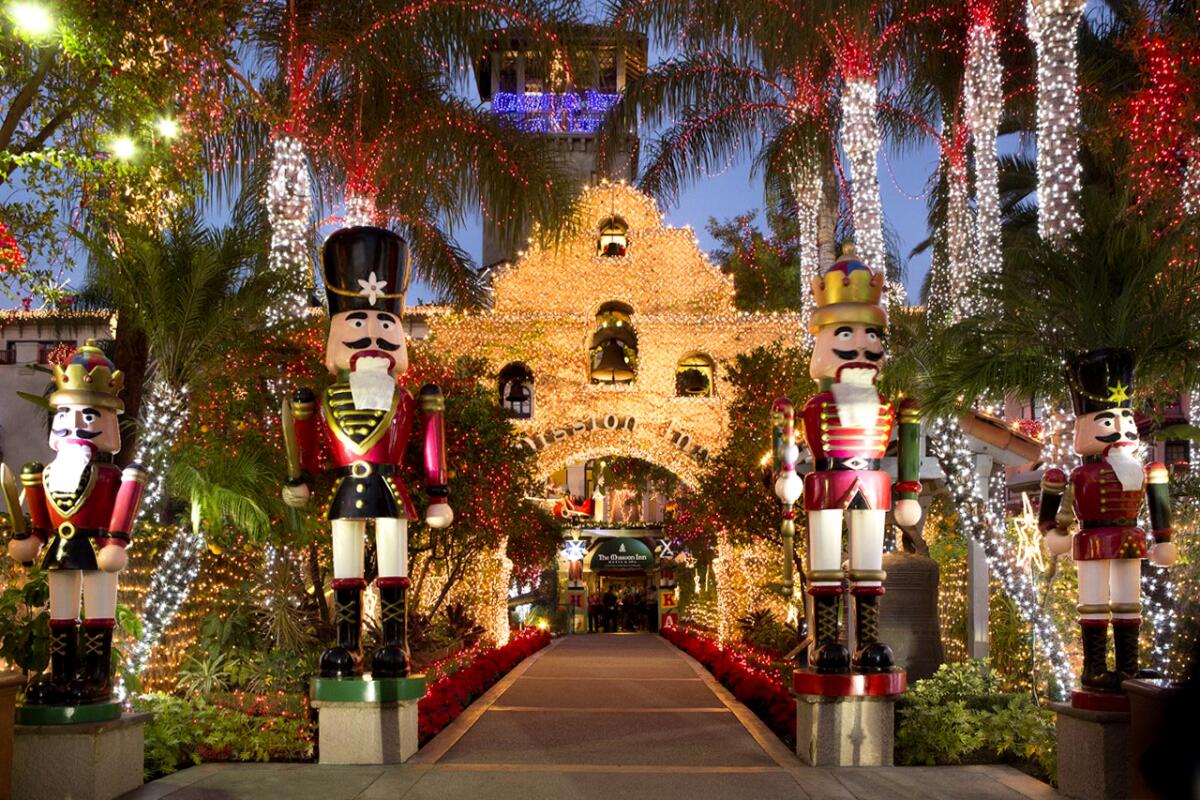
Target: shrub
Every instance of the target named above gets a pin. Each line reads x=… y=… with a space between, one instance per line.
x=959 y=715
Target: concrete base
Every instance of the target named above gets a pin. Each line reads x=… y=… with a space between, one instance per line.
x=366 y=733
x=90 y=761
x=1093 y=753
x=845 y=731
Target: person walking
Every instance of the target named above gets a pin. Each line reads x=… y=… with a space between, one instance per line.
x=595 y=611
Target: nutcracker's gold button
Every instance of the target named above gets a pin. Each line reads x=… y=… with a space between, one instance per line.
x=358 y=503
x=360 y=469
x=66 y=530
x=359 y=487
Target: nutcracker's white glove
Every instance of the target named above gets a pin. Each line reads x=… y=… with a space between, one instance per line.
x=295 y=496
x=112 y=558
x=23 y=551
x=1164 y=554
x=1058 y=543
x=439 y=515
x=907 y=512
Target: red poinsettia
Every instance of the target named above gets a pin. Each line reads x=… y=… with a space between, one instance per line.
x=448 y=696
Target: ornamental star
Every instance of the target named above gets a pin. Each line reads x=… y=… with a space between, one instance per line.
x=372 y=288
x=1118 y=393
x=574 y=550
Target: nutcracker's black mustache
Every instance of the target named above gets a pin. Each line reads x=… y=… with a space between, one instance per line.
x=1116 y=437
x=79 y=433
x=853 y=355
x=365 y=342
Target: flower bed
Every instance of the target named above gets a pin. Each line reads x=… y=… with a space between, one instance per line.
x=448 y=695
x=748 y=673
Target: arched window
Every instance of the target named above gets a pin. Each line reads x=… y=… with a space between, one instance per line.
x=516 y=390
x=694 y=376
x=613 y=349
x=613 y=237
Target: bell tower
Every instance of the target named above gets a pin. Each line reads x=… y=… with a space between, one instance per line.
x=522 y=85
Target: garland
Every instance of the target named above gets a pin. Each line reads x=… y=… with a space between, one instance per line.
x=449 y=695
x=747 y=672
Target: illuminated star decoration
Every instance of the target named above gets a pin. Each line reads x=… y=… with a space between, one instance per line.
x=574 y=550
x=1029 y=538
x=372 y=288
x=1118 y=393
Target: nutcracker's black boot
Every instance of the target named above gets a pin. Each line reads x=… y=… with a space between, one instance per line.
x=62 y=687
x=391 y=660
x=1125 y=643
x=870 y=654
x=830 y=655
x=1096 y=675
x=344 y=660
x=96 y=677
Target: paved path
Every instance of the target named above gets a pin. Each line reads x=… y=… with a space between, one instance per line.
x=604 y=717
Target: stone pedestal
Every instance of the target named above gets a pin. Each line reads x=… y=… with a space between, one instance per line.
x=845 y=731
x=86 y=761
x=1093 y=753
x=366 y=721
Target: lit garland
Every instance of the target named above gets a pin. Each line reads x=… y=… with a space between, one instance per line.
x=808 y=188
x=860 y=140
x=984 y=101
x=985 y=525
x=1053 y=26
x=289 y=211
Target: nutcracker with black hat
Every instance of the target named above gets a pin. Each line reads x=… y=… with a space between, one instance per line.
x=847 y=426
x=81 y=508
x=358 y=430
x=1093 y=515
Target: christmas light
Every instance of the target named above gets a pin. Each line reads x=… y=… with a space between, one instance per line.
x=808 y=189
x=31 y=20
x=547 y=112
x=289 y=211
x=983 y=97
x=1053 y=27
x=360 y=209
x=959 y=241
x=122 y=147
x=167 y=128
x=860 y=140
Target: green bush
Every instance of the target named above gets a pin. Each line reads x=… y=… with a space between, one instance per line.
x=960 y=716
x=187 y=731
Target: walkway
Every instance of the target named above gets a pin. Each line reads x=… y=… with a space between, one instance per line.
x=609 y=717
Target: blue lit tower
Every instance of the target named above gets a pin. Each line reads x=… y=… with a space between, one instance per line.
x=520 y=83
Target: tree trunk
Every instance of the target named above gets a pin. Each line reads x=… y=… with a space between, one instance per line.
x=984 y=101
x=827 y=218
x=807 y=189
x=860 y=140
x=1053 y=26
x=131 y=355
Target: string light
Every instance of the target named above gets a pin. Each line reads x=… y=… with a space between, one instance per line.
x=984 y=103
x=959 y=240
x=289 y=211
x=861 y=141
x=1053 y=26
x=808 y=189
x=360 y=209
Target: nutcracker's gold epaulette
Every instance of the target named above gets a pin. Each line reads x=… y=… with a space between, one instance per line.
x=31 y=473
x=1157 y=473
x=1054 y=482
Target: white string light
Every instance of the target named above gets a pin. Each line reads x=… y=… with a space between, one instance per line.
x=984 y=524
x=808 y=188
x=860 y=140
x=169 y=586
x=958 y=232
x=1053 y=25
x=360 y=209
x=289 y=211
x=984 y=101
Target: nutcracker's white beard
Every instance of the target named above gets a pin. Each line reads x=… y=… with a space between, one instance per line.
x=65 y=472
x=1130 y=471
x=371 y=385
x=857 y=400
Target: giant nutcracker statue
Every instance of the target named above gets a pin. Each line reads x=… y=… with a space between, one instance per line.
x=82 y=508
x=1104 y=495
x=847 y=426
x=361 y=424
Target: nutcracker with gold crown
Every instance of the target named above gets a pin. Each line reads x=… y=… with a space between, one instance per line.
x=81 y=508
x=847 y=426
x=1104 y=495
x=358 y=429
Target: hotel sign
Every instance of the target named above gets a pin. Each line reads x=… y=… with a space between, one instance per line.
x=622 y=553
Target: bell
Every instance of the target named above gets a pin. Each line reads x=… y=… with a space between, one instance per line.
x=612 y=366
x=517 y=393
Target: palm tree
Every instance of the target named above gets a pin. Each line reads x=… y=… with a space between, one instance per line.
x=358 y=99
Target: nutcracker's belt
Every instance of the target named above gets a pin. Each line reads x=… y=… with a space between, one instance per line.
x=68 y=531
x=855 y=463
x=363 y=469
x=1119 y=522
